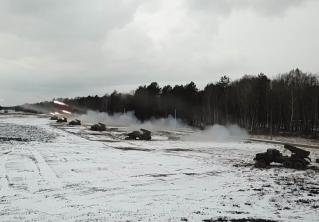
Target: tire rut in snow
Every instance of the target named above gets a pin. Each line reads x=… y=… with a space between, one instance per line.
x=45 y=170
x=4 y=183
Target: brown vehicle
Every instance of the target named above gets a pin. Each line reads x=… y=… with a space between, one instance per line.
x=143 y=134
x=299 y=158
x=98 y=127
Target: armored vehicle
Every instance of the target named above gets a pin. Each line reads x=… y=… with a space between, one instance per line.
x=75 y=122
x=299 y=158
x=143 y=134
x=62 y=120
x=98 y=127
x=54 y=118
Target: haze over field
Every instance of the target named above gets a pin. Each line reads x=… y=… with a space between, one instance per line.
x=71 y=48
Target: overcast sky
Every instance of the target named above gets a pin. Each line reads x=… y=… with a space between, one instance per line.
x=67 y=48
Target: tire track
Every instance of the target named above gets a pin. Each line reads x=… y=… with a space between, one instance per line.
x=4 y=183
x=45 y=171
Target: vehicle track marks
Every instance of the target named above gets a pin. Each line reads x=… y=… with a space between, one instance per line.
x=4 y=183
x=45 y=170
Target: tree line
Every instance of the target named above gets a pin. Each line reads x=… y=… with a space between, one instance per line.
x=288 y=104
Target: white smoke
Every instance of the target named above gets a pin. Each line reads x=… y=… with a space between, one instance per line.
x=218 y=133
x=129 y=120
x=60 y=103
x=215 y=133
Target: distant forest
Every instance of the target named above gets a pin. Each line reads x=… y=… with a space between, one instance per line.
x=287 y=104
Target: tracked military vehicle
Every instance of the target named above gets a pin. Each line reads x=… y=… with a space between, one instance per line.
x=299 y=158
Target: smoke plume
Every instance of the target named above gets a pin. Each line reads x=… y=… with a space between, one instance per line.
x=129 y=120
x=215 y=133
x=218 y=133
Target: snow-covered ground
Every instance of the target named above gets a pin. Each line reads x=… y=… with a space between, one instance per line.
x=59 y=173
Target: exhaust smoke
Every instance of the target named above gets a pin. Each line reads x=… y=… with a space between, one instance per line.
x=60 y=103
x=66 y=112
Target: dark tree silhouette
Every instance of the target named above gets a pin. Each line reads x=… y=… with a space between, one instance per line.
x=287 y=104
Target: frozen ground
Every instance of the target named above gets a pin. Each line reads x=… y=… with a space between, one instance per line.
x=59 y=173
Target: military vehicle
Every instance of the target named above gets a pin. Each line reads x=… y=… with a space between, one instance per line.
x=98 y=127
x=54 y=118
x=139 y=135
x=62 y=120
x=75 y=122
x=299 y=158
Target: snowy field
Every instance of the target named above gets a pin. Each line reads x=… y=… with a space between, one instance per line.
x=52 y=172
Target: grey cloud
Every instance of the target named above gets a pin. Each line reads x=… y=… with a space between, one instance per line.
x=55 y=24
x=59 y=48
x=267 y=7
